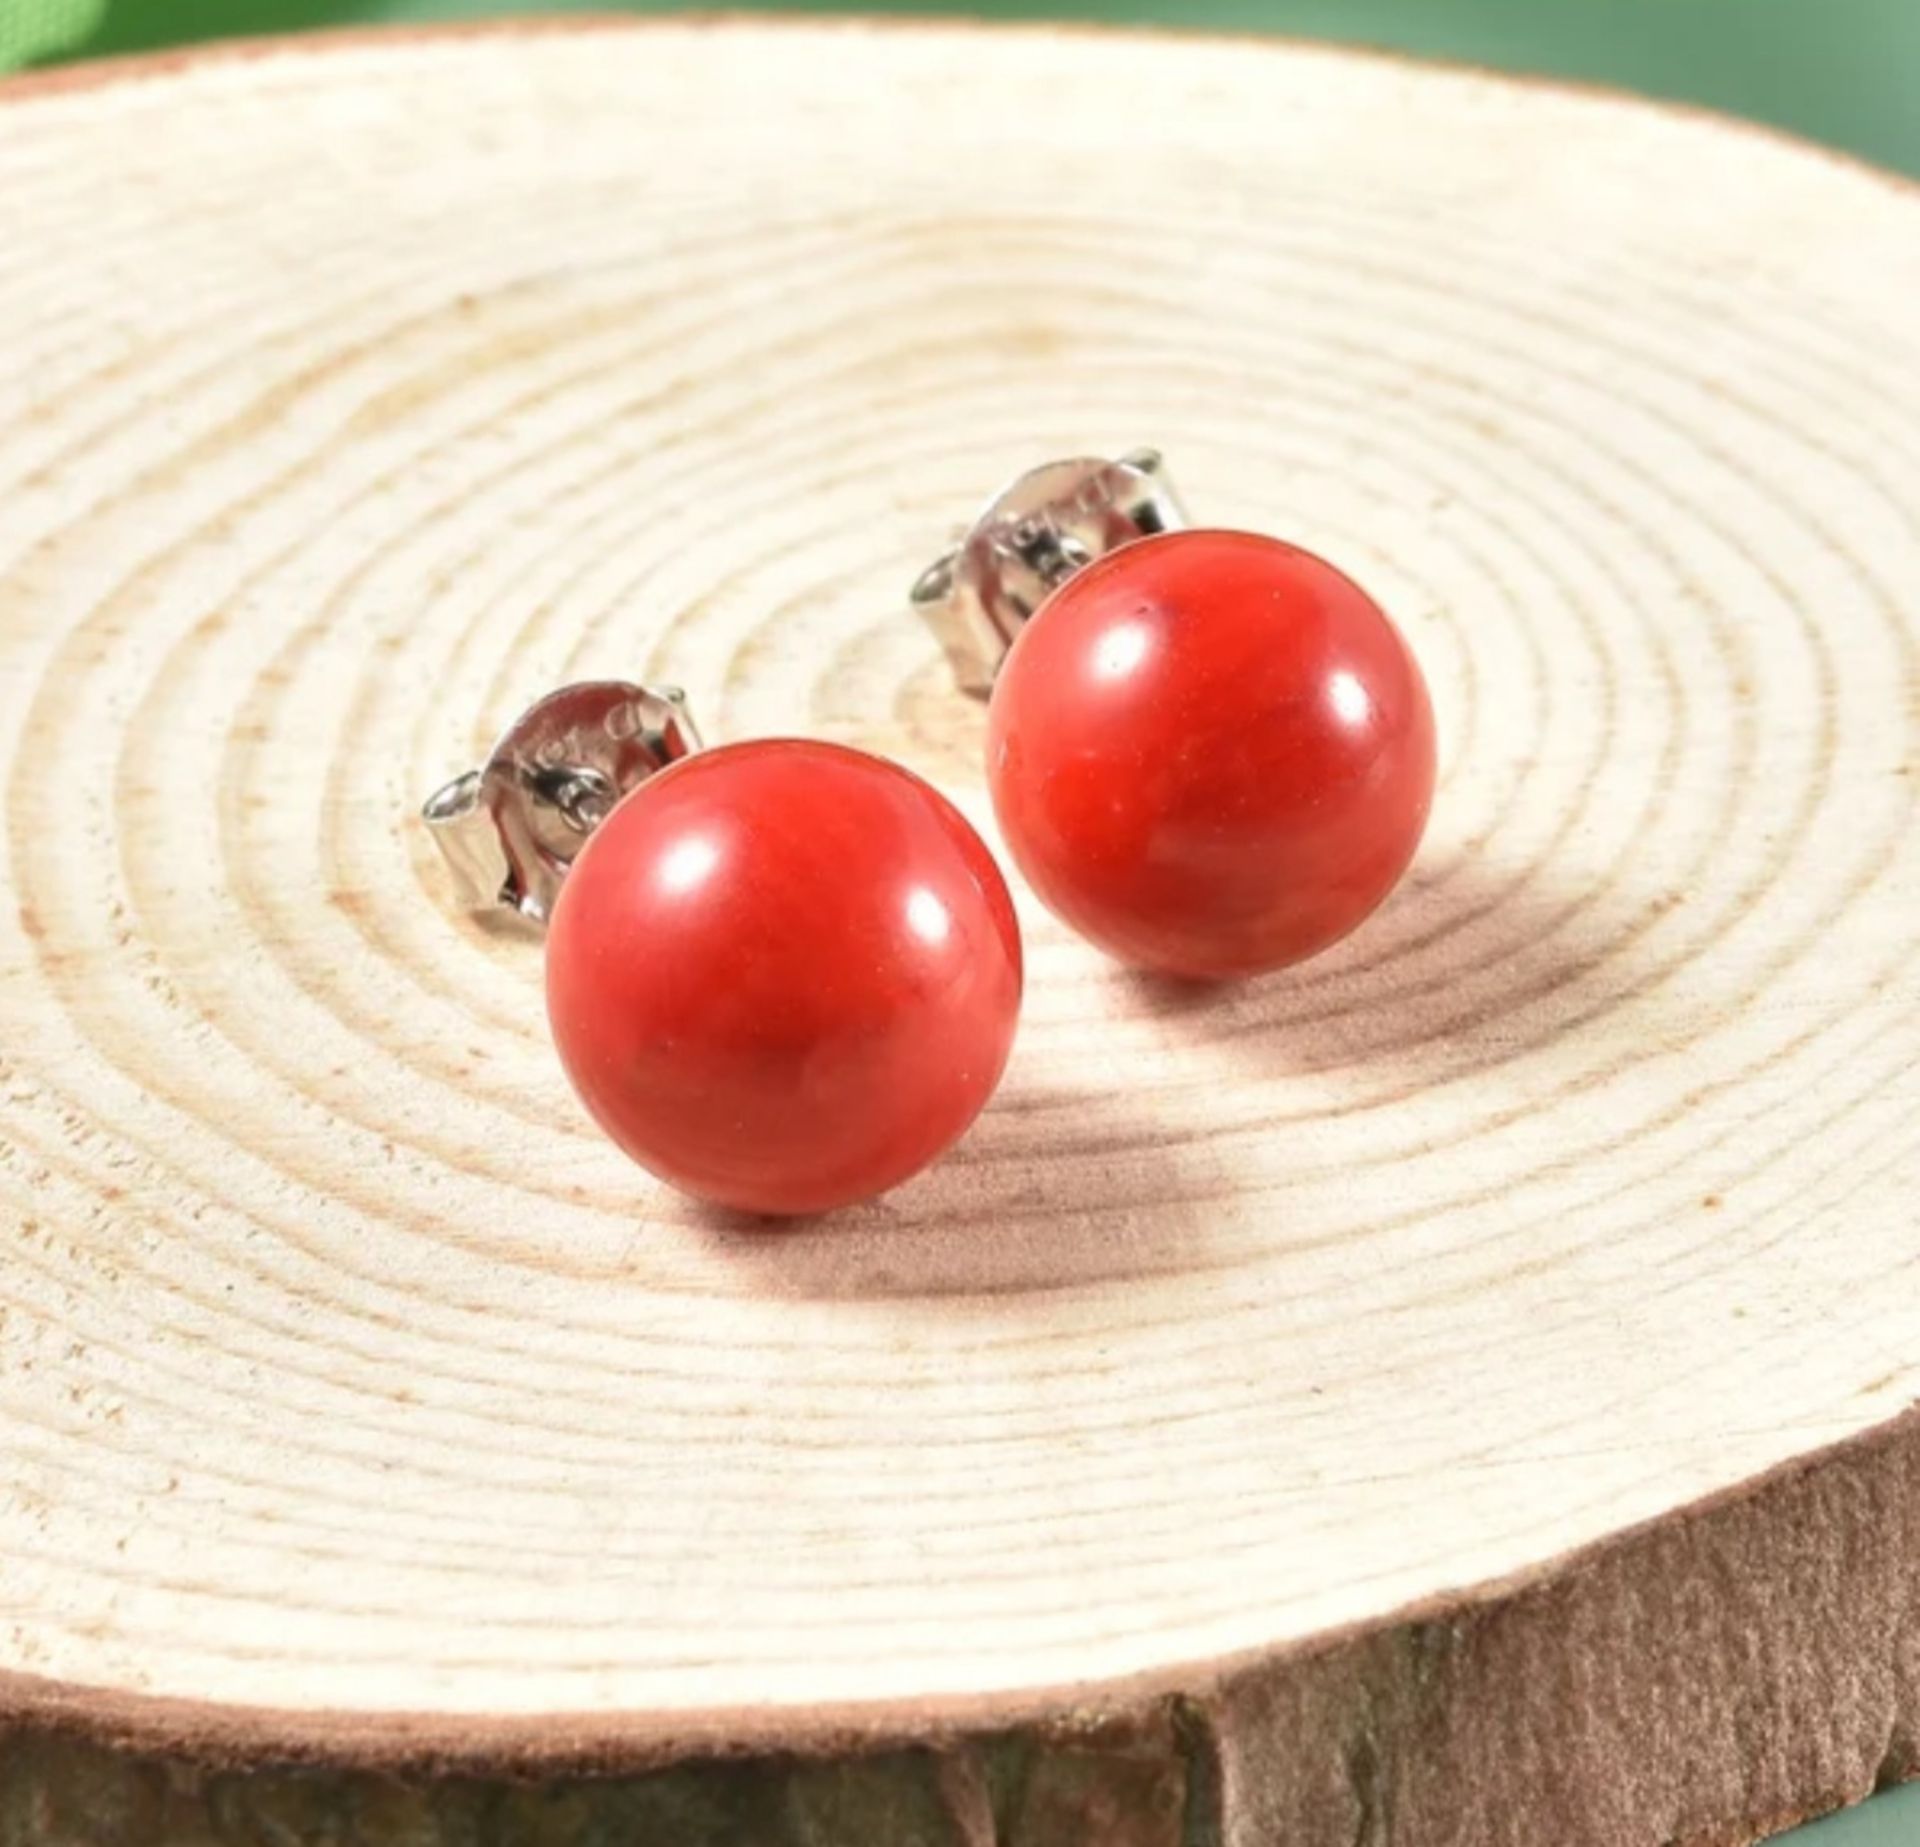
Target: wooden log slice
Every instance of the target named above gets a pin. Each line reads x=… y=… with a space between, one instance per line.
x=1453 y=1393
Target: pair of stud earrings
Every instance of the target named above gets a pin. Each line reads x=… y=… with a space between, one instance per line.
x=785 y=975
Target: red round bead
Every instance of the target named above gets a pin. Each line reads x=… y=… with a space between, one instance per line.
x=1211 y=753
x=784 y=975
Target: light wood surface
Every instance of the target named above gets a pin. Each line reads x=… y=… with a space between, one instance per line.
x=1289 y=1415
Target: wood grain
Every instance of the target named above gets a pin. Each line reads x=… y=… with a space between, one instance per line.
x=1451 y=1393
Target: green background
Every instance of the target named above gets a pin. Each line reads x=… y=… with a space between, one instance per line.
x=1892 y=1820
x=1842 y=71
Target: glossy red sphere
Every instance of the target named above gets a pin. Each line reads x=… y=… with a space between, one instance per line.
x=1211 y=753
x=784 y=975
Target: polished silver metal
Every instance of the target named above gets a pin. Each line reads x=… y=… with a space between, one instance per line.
x=510 y=829
x=1032 y=537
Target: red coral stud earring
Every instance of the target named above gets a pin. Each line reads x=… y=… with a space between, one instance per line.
x=782 y=975
x=1209 y=752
